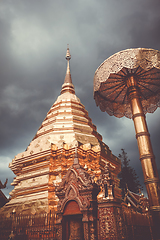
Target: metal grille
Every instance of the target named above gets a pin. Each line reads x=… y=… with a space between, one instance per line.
x=38 y=226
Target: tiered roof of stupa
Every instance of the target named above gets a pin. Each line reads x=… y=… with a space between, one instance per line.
x=66 y=122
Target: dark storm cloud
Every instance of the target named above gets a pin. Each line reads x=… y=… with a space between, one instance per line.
x=33 y=40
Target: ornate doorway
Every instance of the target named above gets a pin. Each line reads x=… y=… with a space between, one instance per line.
x=76 y=217
x=72 y=227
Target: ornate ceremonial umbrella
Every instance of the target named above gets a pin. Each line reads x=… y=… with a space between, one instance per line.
x=128 y=84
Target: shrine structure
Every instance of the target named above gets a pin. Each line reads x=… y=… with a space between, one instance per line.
x=52 y=150
x=66 y=184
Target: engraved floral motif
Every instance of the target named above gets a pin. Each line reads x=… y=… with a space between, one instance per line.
x=107 y=224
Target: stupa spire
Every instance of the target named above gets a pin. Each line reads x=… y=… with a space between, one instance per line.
x=68 y=86
x=68 y=78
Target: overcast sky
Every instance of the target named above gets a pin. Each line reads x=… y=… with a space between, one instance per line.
x=33 y=39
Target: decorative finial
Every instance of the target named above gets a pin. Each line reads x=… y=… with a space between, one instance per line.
x=68 y=55
x=68 y=86
x=3 y=185
x=68 y=78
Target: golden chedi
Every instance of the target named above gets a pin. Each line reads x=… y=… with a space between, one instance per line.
x=46 y=160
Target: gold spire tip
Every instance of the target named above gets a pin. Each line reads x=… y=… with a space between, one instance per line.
x=68 y=55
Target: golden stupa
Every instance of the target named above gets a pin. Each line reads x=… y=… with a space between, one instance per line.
x=51 y=152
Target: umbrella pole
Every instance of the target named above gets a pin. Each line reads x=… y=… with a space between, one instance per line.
x=151 y=178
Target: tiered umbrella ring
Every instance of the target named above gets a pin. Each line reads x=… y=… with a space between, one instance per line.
x=110 y=88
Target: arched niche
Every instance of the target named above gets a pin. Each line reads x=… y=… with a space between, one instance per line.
x=71 y=208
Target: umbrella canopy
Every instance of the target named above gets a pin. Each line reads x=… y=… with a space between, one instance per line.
x=110 y=81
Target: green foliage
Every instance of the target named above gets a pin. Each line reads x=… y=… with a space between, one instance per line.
x=128 y=176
